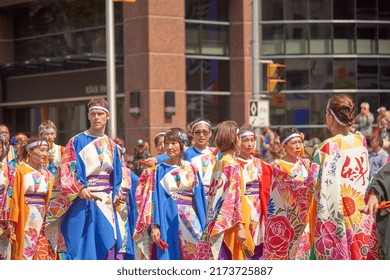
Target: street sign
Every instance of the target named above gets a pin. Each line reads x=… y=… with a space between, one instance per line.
x=259 y=113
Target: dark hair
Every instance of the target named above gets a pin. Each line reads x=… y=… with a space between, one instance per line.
x=157 y=137
x=379 y=140
x=177 y=134
x=23 y=149
x=198 y=120
x=343 y=108
x=98 y=101
x=286 y=132
x=246 y=127
x=226 y=136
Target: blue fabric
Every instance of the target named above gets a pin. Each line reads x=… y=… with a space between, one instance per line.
x=161 y=158
x=87 y=233
x=165 y=214
x=132 y=216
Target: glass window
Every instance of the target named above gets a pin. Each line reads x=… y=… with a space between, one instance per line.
x=207 y=10
x=297 y=74
x=296 y=39
x=273 y=39
x=320 y=9
x=344 y=73
x=207 y=75
x=320 y=38
x=344 y=38
x=366 y=10
x=207 y=39
x=384 y=73
x=366 y=39
x=271 y=10
x=321 y=74
x=384 y=39
x=344 y=9
x=209 y=107
x=295 y=112
x=383 y=9
x=295 y=9
x=367 y=73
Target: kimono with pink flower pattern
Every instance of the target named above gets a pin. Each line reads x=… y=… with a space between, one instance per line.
x=339 y=178
x=287 y=230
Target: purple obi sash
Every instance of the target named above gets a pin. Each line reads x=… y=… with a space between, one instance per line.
x=99 y=183
x=2 y=191
x=252 y=189
x=35 y=198
x=183 y=198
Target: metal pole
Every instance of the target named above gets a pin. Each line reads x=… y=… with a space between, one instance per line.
x=110 y=64
x=255 y=51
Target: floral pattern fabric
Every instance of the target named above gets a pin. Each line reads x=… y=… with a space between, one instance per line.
x=287 y=231
x=339 y=178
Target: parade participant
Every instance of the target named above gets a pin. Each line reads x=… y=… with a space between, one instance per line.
x=17 y=142
x=177 y=217
x=287 y=228
x=90 y=175
x=227 y=235
x=48 y=130
x=339 y=177
x=31 y=192
x=257 y=178
x=5 y=201
x=159 y=142
x=123 y=206
x=10 y=150
x=378 y=204
x=200 y=153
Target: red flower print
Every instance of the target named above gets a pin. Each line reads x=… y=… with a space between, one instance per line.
x=279 y=235
x=325 y=232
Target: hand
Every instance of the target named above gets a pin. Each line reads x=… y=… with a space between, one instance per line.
x=86 y=194
x=155 y=233
x=372 y=204
x=241 y=237
x=149 y=162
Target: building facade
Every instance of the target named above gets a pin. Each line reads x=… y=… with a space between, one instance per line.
x=180 y=60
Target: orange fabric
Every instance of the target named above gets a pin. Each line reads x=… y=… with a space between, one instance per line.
x=266 y=180
x=19 y=209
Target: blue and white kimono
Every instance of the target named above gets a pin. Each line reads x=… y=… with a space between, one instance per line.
x=89 y=228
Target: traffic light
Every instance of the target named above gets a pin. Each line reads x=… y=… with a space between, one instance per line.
x=276 y=78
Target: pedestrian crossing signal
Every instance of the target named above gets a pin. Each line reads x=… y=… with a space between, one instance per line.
x=276 y=82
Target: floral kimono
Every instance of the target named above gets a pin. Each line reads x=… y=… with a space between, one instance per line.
x=287 y=230
x=5 y=201
x=90 y=228
x=339 y=180
x=226 y=207
x=257 y=177
x=29 y=201
x=174 y=200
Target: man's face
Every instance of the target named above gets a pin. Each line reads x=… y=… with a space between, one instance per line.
x=98 y=119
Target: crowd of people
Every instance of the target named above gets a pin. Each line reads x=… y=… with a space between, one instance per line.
x=195 y=200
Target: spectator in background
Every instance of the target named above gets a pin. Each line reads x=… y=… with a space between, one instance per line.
x=364 y=120
x=378 y=157
x=10 y=151
x=140 y=154
x=383 y=122
x=18 y=141
x=267 y=139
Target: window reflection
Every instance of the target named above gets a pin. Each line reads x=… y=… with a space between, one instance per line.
x=297 y=74
x=212 y=107
x=295 y=9
x=383 y=9
x=384 y=73
x=321 y=74
x=344 y=38
x=344 y=9
x=207 y=39
x=207 y=10
x=320 y=38
x=384 y=40
x=320 y=9
x=366 y=39
x=367 y=73
x=366 y=10
x=344 y=73
x=273 y=39
x=272 y=10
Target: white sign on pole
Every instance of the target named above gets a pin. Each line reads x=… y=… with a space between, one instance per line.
x=259 y=113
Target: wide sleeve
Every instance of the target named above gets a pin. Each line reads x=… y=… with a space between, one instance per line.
x=380 y=183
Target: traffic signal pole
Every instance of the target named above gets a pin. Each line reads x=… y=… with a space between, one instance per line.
x=110 y=65
x=256 y=69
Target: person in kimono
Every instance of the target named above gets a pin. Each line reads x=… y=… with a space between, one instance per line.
x=257 y=178
x=287 y=228
x=227 y=235
x=32 y=186
x=89 y=180
x=5 y=199
x=201 y=154
x=48 y=130
x=172 y=207
x=339 y=178
x=125 y=204
x=379 y=204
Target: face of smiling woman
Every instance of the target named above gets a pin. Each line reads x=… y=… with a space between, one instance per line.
x=38 y=155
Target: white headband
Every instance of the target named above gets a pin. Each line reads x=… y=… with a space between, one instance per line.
x=48 y=130
x=96 y=107
x=290 y=137
x=37 y=143
x=334 y=116
x=247 y=133
x=198 y=123
x=160 y=133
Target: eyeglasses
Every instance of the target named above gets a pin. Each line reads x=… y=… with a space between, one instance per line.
x=199 y=132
